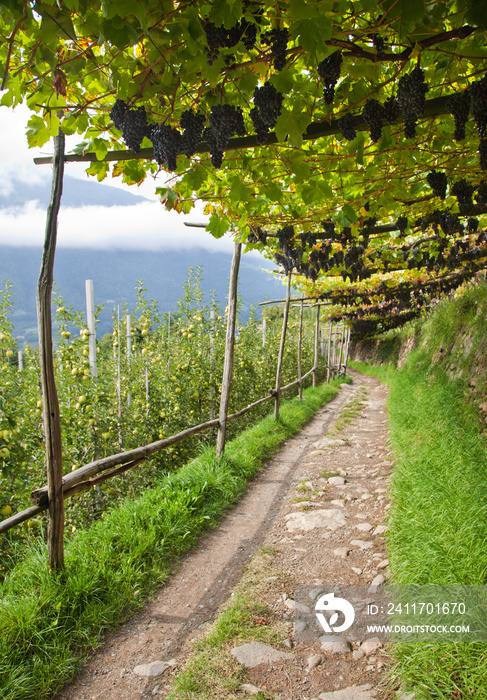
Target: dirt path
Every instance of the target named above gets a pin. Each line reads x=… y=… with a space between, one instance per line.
x=295 y=481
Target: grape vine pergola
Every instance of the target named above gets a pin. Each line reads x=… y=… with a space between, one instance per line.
x=346 y=139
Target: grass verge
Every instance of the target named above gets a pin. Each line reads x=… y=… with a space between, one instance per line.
x=50 y=623
x=212 y=671
x=438 y=519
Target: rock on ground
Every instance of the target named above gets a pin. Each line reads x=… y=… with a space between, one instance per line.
x=330 y=518
x=255 y=653
x=353 y=692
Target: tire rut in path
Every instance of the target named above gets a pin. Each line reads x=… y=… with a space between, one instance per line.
x=204 y=578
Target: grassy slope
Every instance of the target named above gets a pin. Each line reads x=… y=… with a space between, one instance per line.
x=49 y=623
x=438 y=522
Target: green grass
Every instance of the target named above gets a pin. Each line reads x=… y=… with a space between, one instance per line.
x=212 y=672
x=50 y=623
x=438 y=520
x=381 y=372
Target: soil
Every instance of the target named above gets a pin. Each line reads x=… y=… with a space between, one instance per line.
x=294 y=480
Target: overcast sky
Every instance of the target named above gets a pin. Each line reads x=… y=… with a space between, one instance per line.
x=141 y=226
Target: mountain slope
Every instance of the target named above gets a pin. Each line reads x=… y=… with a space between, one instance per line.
x=115 y=275
x=76 y=193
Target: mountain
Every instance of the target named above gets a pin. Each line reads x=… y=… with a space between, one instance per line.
x=115 y=274
x=76 y=193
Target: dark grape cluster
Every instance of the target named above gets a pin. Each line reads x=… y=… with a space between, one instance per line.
x=277 y=39
x=329 y=229
x=391 y=110
x=459 y=107
x=347 y=126
x=448 y=222
x=373 y=115
x=379 y=43
x=131 y=122
x=483 y=154
x=118 y=112
x=308 y=239
x=481 y=194
x=402 y=223
x=268 y=105
x=463 y=191
x=220 y=37
x=329 y=72
x=478 y=105
x=192 y=124
x=438 y=183
x=225 y=121
x=257 y=235
x=285 y=262
x=167 y=143
x=411 y=98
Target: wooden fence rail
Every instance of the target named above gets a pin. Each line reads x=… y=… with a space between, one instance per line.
x=79 y=480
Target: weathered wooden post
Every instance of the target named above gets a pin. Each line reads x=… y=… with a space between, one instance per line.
x=300 y=343
x=129 y=337
x=280 y=358
x=20 y=360
x=90 y=316
x=317 y=346
x=340 y=355
x=212 y=363
x=264 y=329
x=129 y=349
x=347 y=341
x=229 y=348
x=50 y=402
x=328 y=369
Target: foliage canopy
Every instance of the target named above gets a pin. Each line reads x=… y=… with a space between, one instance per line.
x=397 y=65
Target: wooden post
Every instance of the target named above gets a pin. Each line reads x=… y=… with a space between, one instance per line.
x=229 y=347
x=264 y=328
x=129 y=350
x=20 y=360
x=129 y=337
x=212 y=362
x=50 y=402
x=317 y=346
x=90 y=316
x=280 y=359
x=340 y=355
x=346 y=352
x=328 y=368
x=300 y=342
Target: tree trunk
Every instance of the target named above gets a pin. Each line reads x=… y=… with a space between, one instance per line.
x=50 y=403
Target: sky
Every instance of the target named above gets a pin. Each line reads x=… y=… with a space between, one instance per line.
x=93 y=226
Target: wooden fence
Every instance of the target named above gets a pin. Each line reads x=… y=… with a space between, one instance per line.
x=89 y=475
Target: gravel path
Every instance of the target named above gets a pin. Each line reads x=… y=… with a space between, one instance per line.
x=299 y=482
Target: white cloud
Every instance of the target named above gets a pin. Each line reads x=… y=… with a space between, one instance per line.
x=142 y=226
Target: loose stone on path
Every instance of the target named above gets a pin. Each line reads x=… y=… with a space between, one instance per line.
x=353 y=692
x=255 y=653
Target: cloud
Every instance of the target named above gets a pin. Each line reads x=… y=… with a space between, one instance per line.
x=144 y=226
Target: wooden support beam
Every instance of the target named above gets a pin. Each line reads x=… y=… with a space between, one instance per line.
x=50 y=402
x=316 y=130
x=229 y=349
